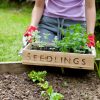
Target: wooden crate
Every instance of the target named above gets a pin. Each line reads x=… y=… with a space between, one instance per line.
x=57 y=59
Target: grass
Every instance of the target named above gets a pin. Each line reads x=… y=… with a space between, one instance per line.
x=13 y=23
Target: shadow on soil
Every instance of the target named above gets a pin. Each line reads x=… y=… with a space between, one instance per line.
x=79 y=73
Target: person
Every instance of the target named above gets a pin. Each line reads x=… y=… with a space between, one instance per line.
x=48 y=16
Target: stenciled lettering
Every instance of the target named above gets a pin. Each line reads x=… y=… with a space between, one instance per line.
x=34 y=57
x=55 y=59
x=67 y=60
x=42 y=58
x=61 y=59
x=83 y=62
x=49 y=58
x=76 y=61
x=29 y=56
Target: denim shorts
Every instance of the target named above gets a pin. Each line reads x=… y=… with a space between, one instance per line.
x=53 y=25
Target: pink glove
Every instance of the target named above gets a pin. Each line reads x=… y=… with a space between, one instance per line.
x=27 y=38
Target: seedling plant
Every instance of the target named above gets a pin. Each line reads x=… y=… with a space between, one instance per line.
x=74 y=40
x=47 y=90
x=37 y=76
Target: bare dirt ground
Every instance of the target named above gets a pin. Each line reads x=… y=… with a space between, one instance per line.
x=74 y=85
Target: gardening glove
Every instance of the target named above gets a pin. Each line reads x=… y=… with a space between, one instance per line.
x=27 y=37
x=91 y=44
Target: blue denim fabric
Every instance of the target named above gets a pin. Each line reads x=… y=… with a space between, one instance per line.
x=53 y=25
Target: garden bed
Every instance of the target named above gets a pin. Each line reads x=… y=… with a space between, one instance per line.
x=74 y=85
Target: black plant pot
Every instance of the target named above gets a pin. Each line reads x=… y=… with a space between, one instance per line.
x=51 y=48
x=45 y=48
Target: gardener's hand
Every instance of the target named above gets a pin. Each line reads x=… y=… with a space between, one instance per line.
x=27 y=37
x=91 y=43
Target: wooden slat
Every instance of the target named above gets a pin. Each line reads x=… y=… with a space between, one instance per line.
x=18 y=67
x=13 y=67
x=59 y=59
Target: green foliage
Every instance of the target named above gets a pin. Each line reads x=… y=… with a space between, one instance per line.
x=97 y=1
x=44 y=85
x=98 y=44
x=98 y=49
x=48 y=91
x=98 y=56
x=98 y=68
x=37 y=76
x=51 y=94
x=75 y=39
x=56 y=96
x=7 y=4
x=36 y=37
x=97 y=28
x=46 y=36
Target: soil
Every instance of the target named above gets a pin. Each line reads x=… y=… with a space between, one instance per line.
x=73 y=84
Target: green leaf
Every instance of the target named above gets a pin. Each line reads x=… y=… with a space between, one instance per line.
x=74 y=37
x=37 y=76
x=56 y=96
x=98 y=44
x=43 y=93
x=50 y=90
x=44 y=85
